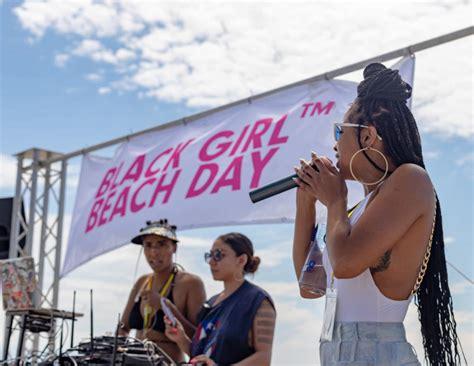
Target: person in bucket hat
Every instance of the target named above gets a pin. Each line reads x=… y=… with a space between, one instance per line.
x=183 y=292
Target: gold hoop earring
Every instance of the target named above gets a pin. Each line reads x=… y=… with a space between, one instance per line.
x=239 y=279
x=368 y=148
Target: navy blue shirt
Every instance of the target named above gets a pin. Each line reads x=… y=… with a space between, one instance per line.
x=223 y=330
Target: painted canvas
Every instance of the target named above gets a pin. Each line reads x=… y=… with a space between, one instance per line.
x=18 y=283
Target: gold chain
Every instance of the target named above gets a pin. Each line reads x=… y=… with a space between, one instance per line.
x=426 y=259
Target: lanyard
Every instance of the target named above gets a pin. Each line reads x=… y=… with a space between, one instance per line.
x=164 y=289
x=167 y=284
x=148 y=311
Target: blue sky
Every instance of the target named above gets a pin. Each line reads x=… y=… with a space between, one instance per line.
x=73 y=75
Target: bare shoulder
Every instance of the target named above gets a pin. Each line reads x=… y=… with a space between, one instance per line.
x=142 y=279
x=189 y=280
x=265 y=312
x=266 y=307
x=412 y=171
x=139 y=283
x=413 y=182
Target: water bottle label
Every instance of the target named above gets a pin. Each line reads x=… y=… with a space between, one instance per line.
x=309 y=266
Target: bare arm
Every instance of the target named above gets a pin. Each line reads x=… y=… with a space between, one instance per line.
x=263 y=329
x=195 y=300
x=196 y=296
x=304 y=225
x=125 y=329
x=403 y=199
x=304 y=222
x=177 y=334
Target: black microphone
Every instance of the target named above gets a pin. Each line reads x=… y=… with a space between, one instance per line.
x=275 y=188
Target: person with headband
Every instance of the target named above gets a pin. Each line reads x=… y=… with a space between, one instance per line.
x=184 y=291
x=390 y=248
x=236 y=326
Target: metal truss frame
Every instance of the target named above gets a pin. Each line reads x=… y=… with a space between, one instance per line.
x=40 y=185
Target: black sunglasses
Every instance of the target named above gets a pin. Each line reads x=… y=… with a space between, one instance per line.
x=217 y=255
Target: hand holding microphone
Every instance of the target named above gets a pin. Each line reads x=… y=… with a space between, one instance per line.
x=325 y=182
x=303 y=198
x=286 y=183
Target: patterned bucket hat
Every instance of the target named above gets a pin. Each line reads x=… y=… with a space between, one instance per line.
x=159 y=228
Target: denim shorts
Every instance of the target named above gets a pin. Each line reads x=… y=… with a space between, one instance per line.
x=367 y=344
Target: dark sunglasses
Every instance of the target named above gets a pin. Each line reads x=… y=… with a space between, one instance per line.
x=217 y=255
x=338 y=129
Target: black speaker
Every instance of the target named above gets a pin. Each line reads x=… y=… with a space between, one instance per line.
x=6 y=208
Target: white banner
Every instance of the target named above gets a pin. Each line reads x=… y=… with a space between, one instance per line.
x=199 y=174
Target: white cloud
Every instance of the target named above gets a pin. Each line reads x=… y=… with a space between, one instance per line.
x=104 y=90
x=297 y=332
x=87 y=47
x=95 y=50
x=93 y=77
x=195 y=242
x=431 y=155
x=8 y=166
x=82 y=17
x=73 y=173
x=275 y=255
x=207 y=55
x=124 y=54
x=465 y=160
x=281 y=289
x=449 y=240
x=460 y=288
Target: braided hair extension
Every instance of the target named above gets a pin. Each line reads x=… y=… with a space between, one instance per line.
x=381 y=101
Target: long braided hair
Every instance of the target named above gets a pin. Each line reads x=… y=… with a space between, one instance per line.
x=381 y=101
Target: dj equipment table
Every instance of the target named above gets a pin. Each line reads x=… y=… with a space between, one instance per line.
x=34 y=320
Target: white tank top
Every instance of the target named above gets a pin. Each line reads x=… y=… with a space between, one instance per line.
x=358 y=298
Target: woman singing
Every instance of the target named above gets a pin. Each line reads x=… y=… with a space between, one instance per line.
x=184 y=291
x=390 y=248
x=236 y=326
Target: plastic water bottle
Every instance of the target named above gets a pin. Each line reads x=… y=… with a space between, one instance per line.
x=313 y=276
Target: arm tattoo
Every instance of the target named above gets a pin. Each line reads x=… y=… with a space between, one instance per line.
x=264 y=314
x=264 y=324
x=384 y=262
x=262 y=340
x=265 y=331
